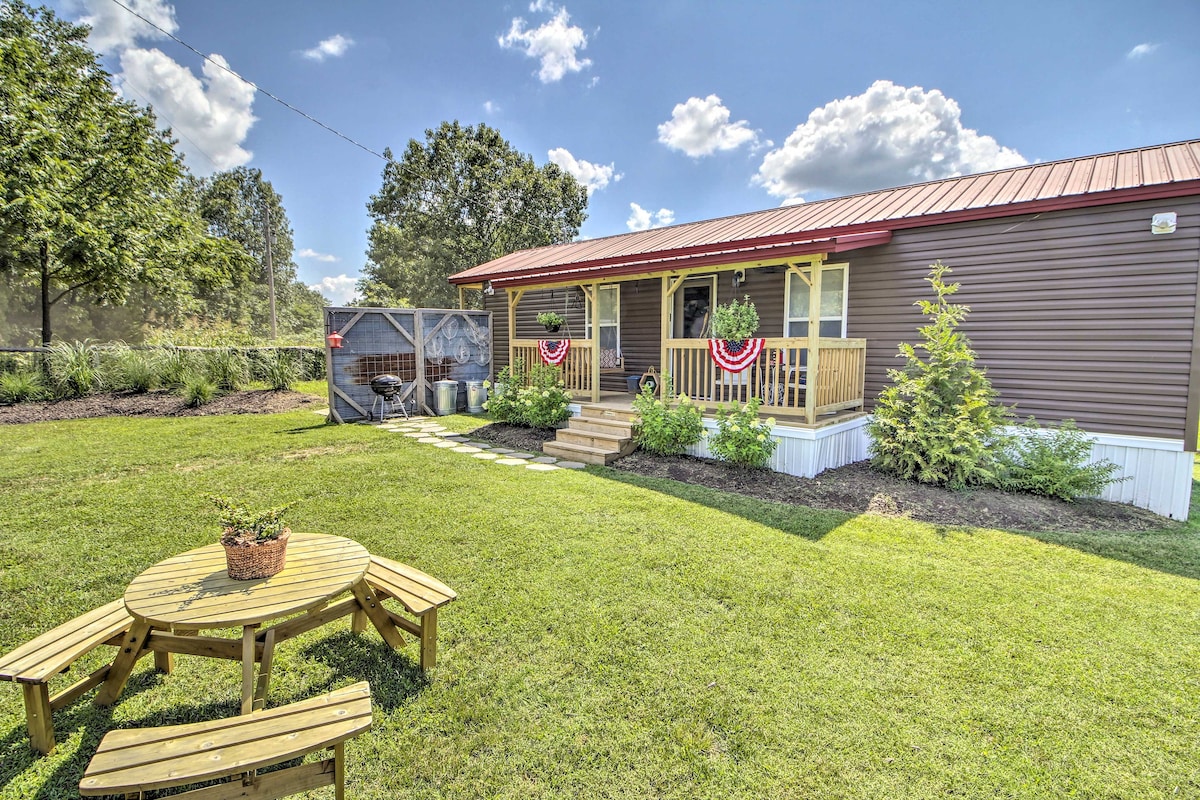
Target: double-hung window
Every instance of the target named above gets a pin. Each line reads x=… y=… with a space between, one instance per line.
x=833 y=302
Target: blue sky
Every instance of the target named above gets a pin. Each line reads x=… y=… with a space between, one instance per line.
x=671 y=111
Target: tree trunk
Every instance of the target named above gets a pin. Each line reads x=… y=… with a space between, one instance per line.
x=45 y=258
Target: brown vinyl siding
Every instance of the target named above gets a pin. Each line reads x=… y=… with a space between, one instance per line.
x=1080 y=313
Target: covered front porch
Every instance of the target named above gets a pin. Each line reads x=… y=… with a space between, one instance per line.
x=806 y=380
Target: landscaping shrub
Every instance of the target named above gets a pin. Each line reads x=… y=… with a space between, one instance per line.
x=741 y=437
x=199 y=390
x=1052 y=461
x=74 y=368
x=665 y=430
x=543 y=403
x=939 y=421
x=21 y=387
x=501 y=406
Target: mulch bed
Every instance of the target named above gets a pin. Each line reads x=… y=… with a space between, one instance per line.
x=858 y=489
x=855 y=488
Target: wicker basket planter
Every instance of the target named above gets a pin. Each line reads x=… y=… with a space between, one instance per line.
x=246 y=562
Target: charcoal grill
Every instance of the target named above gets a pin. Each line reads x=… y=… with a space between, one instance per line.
x=387 y=393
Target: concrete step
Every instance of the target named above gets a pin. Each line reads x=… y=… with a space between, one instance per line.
x=611 y=427
x=601 y=440
x=579 y=452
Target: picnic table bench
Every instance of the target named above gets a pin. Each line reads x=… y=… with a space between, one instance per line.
x=33 y=665
x=420 y=594
x=134 y=761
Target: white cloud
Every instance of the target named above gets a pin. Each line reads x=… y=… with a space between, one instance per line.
x=593 y=176
x=211 y=116
x=541 y=5
x=339 y=290
x=308 y=252
x=640 y=219
x=791 y=201
x=555 y=44
x=490 y=107
x=702 y=127
x=333 y=47
x=114 y=28
x=888 y=136
x=1141 y=51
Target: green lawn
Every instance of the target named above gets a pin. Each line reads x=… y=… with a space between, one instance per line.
x=622 y=637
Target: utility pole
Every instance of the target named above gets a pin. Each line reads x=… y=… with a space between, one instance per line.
x=270 y=267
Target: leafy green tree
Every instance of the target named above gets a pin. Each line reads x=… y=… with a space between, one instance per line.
x=939 y=422
x=89 y=186
x=237 y=206
x=462 y=197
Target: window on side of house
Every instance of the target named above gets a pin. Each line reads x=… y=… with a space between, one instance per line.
x=833 y=303
x=608 y=303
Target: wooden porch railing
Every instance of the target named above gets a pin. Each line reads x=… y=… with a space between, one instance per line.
x=576 y=368
x=780 y=376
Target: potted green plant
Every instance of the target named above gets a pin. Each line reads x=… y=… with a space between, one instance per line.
x=255 y=541
x=551 y=321
x=733 y=321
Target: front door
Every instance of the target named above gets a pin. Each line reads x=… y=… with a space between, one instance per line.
x=693 y=307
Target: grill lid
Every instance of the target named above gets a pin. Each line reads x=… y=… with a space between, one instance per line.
x=386 y=385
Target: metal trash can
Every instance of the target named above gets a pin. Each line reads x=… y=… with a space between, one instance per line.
x=476 y=397
x=445 y=397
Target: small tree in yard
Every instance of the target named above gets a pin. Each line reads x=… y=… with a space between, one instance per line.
x=939 y=421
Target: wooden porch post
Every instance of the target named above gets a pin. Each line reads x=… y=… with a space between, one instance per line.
x=514 y=297
x=665 y=330
x=814 y=341
x=595 y=365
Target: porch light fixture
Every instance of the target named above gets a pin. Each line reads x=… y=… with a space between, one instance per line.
x=335 y=340
x=739 y=277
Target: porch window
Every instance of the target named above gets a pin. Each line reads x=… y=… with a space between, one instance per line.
x=608 y=313
x=833 y=303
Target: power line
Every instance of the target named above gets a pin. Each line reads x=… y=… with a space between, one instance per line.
x=251 y=83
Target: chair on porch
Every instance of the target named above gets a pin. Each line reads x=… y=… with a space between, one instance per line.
x=780 y=379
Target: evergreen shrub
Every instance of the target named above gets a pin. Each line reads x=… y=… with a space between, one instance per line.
x=1053 y=461
x=939 y=422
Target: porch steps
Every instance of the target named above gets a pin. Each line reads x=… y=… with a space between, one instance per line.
x=597 y=436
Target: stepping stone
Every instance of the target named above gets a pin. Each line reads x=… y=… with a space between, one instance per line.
x=542 y=467
x=445 y=444
x=446 y=434
x=544 y=460
x=572 y=464
x=415 y=435
x=511 y=462
x=485 y=456
x=462 y=448
x=502 y=451
x=520 y=455
x=429 y=440
x=480 y=445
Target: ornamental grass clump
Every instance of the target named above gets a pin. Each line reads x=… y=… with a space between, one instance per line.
x=21 y=387
x=939 y=421
x=74 y=368
x=1053 y=461
x=665 y=430
x=742 y=438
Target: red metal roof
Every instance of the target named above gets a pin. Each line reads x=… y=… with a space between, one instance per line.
x=845 y=223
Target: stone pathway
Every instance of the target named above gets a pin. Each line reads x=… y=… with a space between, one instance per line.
x=428 y=431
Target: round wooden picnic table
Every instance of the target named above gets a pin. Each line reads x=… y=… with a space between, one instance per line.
x=192 y=591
